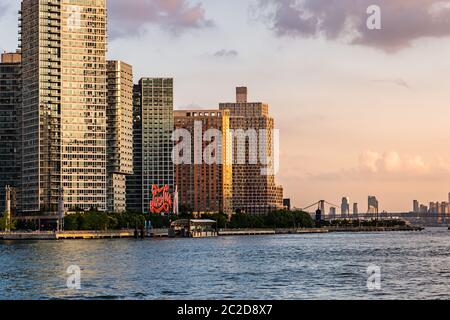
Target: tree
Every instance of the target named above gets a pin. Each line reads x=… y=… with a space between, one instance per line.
x=4 y=224
x=185 y=212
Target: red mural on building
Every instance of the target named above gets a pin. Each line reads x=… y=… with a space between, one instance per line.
x=161 y=200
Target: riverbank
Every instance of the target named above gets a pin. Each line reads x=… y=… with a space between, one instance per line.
x=163 y=233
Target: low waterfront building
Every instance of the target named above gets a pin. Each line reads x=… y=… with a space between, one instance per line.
x=193 y=228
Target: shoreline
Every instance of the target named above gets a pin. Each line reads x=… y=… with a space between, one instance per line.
x=163 y=233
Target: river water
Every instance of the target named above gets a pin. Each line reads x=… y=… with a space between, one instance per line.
x=414 y=265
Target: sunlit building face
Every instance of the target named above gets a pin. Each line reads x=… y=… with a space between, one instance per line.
x=65 y=99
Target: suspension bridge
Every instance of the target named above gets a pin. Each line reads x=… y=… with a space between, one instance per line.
x=321 y=205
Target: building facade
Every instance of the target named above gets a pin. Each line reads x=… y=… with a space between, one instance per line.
x=254 y=191
x=332 y=214
x=205 y=187
x=372 y=205
x=119 y=133
x=10 y=128
x=345 y=208
x=152 y=132
x=355 y=211
x=416 y=206
x=64 y=96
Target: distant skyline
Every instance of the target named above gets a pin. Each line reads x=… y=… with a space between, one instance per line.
x=360 y=112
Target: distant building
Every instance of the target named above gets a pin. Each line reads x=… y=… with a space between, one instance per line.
x=206 y=187
x=119 y=133
x=355 y=211
x=253 y=191
x=442 y=212
x=433 y=208
x=372 y=205
x=332 y=214
x=345 y=208
x=152 y=145
x=416 y=207
x=10 y=134
x=287 y=204
x=423 y=209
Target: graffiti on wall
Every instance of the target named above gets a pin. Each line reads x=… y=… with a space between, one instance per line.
x=161 y=200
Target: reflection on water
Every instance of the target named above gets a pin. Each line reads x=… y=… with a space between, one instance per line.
x=414 y=265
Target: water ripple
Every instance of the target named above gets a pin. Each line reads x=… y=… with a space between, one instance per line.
x=329 y=266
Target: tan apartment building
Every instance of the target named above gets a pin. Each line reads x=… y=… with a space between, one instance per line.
x=119 y=133
x=64 y=93
x=253 y=191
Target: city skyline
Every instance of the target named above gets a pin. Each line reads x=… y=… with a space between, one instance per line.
x=351 y=121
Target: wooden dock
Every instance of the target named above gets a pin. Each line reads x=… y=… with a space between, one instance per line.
x=159 y=233
x=374 y=229
x=245 y=232
x=261 y=232
x=65 y=235
x=164 y=233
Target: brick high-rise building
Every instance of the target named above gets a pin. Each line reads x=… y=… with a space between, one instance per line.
x=254 y=191
x=10 y=107
x=119 y=133
x=64 y=96
x=206 y=187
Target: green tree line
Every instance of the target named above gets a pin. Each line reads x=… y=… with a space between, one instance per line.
x=94 y=220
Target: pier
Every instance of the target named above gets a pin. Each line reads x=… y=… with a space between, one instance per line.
x=65 y=235
x=164 y=233
x=246 y=232
x=260 y=232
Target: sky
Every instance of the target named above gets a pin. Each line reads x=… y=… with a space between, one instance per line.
x=360 y=112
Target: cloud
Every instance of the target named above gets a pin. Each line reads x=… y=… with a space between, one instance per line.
x=398 y=81
x=131 y=17
x=402 y=21
x=390 y=165
x=3 y=8
x=226 y=53
x=393 y=163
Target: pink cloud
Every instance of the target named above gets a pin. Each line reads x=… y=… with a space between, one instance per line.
x=130 y=17
x=389 y=166
x=403 y=21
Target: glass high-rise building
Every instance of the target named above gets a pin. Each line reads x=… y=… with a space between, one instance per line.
x=119 y=133
x=64 y=104
x=10 y=106
x=152 y=146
